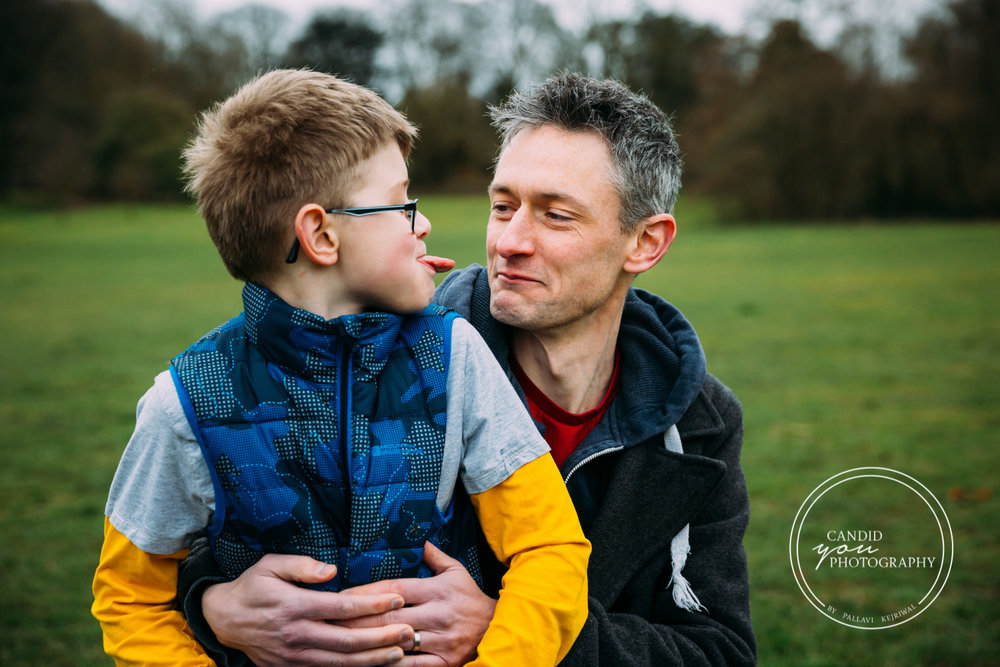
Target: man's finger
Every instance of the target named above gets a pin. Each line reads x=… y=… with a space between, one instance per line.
x=322 y=605
x=325 y=606
x=380 y=656
x=420 y=610
x=414 y=591
x=422 y=660
x=295 y=568
x=329 y=637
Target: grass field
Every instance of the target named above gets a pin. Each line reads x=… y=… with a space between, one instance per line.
x=860 y=345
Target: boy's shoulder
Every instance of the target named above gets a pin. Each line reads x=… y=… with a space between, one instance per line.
x=436 y=310
x=208 y=339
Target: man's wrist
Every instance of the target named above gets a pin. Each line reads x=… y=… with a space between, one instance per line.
x=192 y=607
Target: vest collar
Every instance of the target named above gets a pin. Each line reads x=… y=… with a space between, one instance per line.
x=313 y=347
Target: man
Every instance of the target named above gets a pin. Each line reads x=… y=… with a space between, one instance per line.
x=647 y=441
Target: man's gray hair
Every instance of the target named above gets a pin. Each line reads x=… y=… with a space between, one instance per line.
x=644 y=152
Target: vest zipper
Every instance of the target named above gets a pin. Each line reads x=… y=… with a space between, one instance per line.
x=591 y=458
x=345 y=410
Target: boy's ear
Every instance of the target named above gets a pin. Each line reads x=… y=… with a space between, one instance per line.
x=651 y=241
x=317 y=237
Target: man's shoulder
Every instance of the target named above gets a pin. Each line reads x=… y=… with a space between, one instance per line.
x=720 y=395
x=457 y=290
x=714 y=412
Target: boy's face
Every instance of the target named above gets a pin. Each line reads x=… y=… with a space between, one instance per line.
x=384 y=265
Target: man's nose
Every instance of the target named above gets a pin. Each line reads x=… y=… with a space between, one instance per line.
x=516 y=237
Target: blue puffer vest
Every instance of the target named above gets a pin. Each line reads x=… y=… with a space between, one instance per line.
x=325 y=438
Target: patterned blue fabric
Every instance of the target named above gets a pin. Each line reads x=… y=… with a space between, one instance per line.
x=325 y=438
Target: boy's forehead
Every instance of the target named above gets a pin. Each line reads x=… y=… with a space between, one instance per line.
x=383 y=171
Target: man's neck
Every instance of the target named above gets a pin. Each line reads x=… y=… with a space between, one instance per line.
x=572 y=366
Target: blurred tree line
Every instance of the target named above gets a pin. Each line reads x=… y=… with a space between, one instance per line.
x=92 y=107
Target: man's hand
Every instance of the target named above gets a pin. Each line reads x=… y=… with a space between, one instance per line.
x=448 y=610
x=276 y=622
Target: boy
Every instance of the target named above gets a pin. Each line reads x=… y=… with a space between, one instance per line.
x=334 y=416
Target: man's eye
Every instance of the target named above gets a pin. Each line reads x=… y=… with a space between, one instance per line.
x=502 y=209
x=557 y=217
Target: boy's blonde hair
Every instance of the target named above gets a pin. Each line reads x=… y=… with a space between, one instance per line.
x=286 y=139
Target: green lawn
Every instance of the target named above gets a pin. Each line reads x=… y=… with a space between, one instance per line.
x=848 y=345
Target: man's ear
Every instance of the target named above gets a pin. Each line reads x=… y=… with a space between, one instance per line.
x=317 y=237
x=654 y=236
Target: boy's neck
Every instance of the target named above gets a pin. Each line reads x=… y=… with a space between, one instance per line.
x=308 y=291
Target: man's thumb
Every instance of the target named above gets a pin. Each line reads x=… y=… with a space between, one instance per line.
x=438 y=560
x=303 y=569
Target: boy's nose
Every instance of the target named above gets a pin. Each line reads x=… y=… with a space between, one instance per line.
x=421 y=226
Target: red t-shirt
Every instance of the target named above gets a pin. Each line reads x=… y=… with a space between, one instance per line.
x=563 y=430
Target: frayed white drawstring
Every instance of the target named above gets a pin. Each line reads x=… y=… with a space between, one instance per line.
x=680 y=546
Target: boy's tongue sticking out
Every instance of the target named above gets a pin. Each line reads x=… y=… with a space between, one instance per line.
x=439 y=264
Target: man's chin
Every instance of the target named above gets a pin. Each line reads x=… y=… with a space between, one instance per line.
x=512 y=311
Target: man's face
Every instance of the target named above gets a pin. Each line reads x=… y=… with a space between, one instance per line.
x=554 y=246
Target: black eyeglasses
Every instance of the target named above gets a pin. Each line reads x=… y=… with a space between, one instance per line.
x=410 y=208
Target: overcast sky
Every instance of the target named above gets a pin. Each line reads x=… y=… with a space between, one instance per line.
x=733 y=16
x=728 y=14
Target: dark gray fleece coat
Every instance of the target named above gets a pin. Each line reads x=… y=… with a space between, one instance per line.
x=633 y=496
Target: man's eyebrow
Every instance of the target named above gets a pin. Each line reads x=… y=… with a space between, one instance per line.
x=499 y=189
x=544 y=196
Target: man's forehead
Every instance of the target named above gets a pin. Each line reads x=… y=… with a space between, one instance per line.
x=555 y=138
x=549 y=163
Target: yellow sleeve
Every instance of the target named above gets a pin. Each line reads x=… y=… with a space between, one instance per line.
x=532 y=527
x=134 y=599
